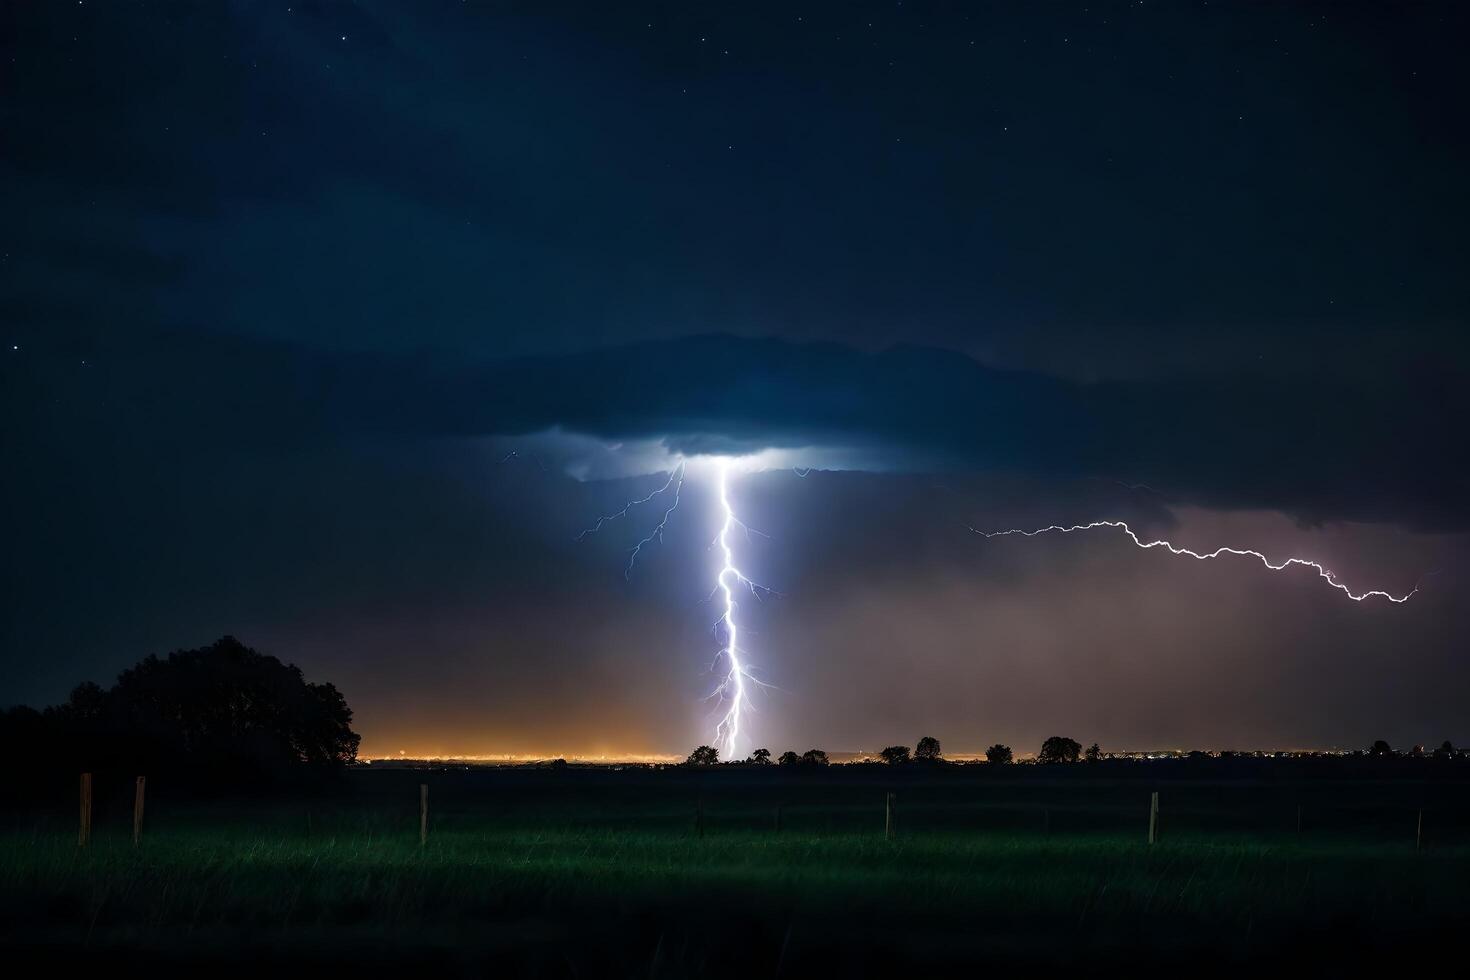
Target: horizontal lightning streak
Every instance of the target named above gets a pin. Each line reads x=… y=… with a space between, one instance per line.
x=1320 y=569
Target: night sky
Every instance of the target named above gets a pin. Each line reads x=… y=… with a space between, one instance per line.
x=330 y=325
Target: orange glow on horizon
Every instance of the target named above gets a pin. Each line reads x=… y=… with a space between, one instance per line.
x=516 y=757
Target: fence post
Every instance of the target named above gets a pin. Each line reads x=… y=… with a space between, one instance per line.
x=1298 y=818
x=1419 y=833
x=1046 y=820
x=778 y=818
x=423 y=814
x=699 y=817
x=888 y=827
x=1153 y=818
x=84 y=829
x=138 y=786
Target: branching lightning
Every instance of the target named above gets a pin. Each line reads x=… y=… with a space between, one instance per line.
x=1322 y=571
x=675 y=480
x=657 y=534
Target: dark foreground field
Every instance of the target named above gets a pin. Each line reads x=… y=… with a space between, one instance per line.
x=612 y=873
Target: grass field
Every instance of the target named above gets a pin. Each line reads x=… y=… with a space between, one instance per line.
x=596 y=874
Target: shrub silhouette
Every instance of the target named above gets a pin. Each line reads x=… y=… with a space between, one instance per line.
x=1059 y=749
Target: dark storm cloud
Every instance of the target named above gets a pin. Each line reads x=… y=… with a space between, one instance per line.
x=1316 y=450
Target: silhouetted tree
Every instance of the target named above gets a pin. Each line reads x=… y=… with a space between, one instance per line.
x=1059 y=749
x=1380 y=748
x=999 y=754
x=226 y=704
x=761 y=757
x=1445 y=752
x=703 y=756
x=895 y=755
x=814 y=757
x=789 y=758
x=1093 y=753
x=220 y=713
x=927 y=749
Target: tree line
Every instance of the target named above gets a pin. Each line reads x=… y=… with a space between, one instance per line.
x=1055 y=750
x=926 y=751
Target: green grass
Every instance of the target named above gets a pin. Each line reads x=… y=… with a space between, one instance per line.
x=584 y=901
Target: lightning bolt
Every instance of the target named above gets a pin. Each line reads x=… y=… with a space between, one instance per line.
x=1322 y=571
x=736 y=678
x=732 y=691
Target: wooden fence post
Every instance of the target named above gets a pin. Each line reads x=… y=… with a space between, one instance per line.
x=423 y=814
x=888 y=827
x=1298 y=818
x=138 y=787
x=1153 y=818
x=1419 y=833
x=84 y=830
